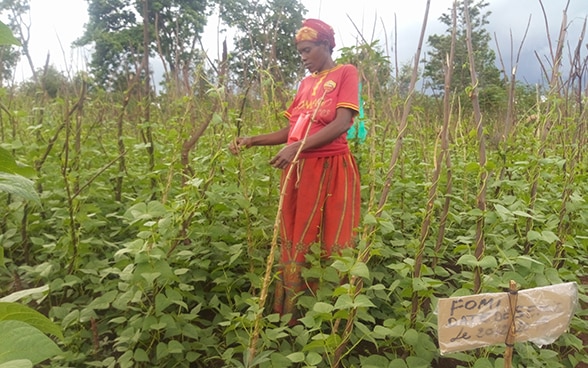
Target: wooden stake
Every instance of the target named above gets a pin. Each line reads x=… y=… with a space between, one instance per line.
x=512 y=329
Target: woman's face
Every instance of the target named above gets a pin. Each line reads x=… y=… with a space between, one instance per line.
x=315 y=56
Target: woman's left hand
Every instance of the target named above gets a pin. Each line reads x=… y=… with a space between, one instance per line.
x=285 y=156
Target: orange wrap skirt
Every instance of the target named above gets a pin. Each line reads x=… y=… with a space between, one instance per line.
x=321 y=204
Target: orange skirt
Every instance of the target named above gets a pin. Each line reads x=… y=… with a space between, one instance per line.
x=321 y=205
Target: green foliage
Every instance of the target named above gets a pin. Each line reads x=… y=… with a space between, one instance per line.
x=6 y=36
x=115 y=29
x=264 y=41
x=12 y=179
x=11 y=34
x=16 y=341
x=22 y=328
x=488 y=73
x=8 y=55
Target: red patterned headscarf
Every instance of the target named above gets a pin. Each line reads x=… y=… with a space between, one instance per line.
x=316 y=30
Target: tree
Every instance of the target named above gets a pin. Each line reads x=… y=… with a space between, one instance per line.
x=488 y=73
x=115 y=29
x=178 y=26
x=9 y=56
x=265 y=37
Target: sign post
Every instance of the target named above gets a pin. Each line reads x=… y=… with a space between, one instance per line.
x=539 y=315
x=512 y=330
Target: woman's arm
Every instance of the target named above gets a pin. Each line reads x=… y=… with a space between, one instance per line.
x=326 y=135
x=270 y=139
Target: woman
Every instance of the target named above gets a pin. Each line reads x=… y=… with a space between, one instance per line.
x=322 y=201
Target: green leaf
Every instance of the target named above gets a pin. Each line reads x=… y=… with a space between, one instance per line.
x=322 y=307
x=411 y=337
x=296 y=357
x=19 y=363
x=22 y=313
x=175 y=346
x=19 y=340
x=398 y=363
x=6 y=36
x=18 y=295
x=483 y=363
x=381 y=332
x=9 y=165
x=145 y=211
x=7 y=162
x=468 y=260
x=419 y=284
x=522 y=214
x=19 y=186
x=363 y=301
x=360 y=269
x=370 y=219
x=549 y=236
x=374 y=361
x=344 y=302
x=103 y=301
x=488 y=262
x=533 y=235
x=472 y=167
x=502 y=211
x=313 y=358
x=340 y=266
x=140 y=355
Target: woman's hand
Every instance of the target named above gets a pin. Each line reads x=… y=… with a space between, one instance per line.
x=285 y=156
x=238 y=144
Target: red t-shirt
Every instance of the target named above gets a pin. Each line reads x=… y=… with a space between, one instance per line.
x=340 y=88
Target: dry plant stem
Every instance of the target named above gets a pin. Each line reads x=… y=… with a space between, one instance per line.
x=481 y=197
x=363 y=256
x=121 y=148
x=274 y=245
x=51 y=143
x=545 y=129
x=146 y=131
x=509 y=119
x=438 y=165
x=578 y=67
x=404 y=120
x=571 y=163
x=190 y=143
x=72 y=205
x=445 y=135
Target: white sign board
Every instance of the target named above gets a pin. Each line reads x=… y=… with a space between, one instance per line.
x=541 y=315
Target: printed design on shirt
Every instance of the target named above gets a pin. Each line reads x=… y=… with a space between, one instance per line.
x=317 y=84
x=329 y=86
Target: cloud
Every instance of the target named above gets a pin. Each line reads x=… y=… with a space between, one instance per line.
x=54 y=28
x=387 y=20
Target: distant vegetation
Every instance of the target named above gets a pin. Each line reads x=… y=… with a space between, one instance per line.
x=141 y=242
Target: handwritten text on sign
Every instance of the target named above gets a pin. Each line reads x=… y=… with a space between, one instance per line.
x=541 y=316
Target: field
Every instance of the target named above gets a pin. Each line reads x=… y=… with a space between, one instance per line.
x=147 y=244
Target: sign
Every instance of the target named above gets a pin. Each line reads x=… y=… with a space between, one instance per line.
x=541 y=315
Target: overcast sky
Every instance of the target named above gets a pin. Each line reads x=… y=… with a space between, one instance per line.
x=56 y=23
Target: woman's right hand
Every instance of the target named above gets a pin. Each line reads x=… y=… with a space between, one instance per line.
x=238 y=144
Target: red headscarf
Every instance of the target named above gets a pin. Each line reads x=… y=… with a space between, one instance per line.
x=316 y=30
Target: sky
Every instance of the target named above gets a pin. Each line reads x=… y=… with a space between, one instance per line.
x=55 y=24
